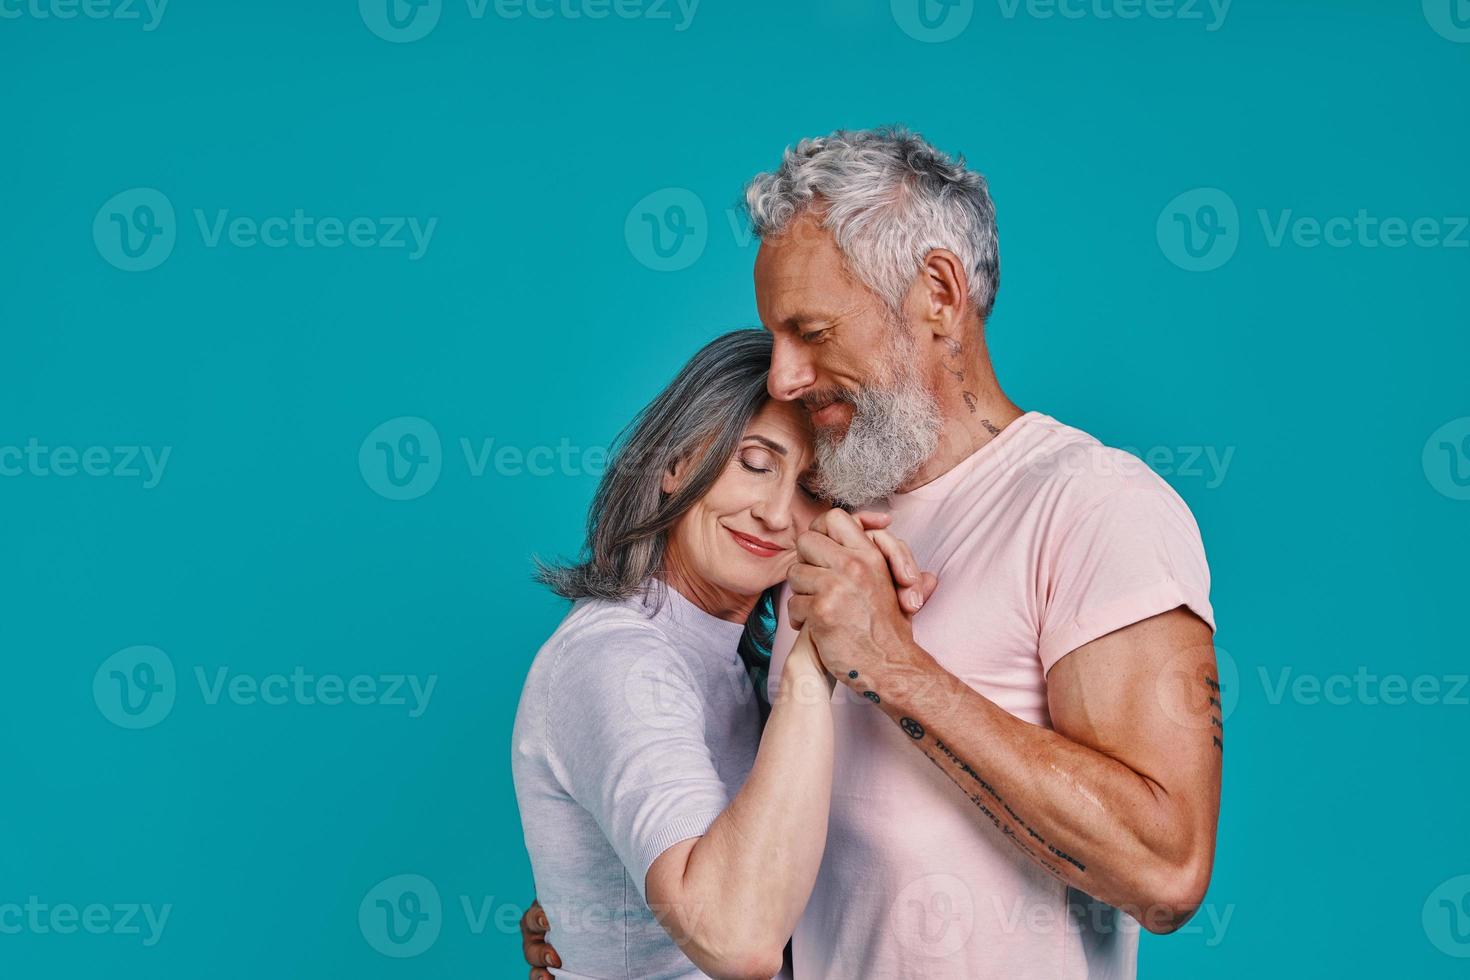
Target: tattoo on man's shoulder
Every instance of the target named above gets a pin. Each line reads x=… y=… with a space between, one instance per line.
x=871 y=696
x=911 y=727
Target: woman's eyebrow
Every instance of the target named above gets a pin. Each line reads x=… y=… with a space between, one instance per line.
x=774 y=447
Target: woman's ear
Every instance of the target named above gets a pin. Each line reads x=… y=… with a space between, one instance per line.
x=674 y=475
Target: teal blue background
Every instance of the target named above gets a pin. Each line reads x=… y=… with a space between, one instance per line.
x=530 y=320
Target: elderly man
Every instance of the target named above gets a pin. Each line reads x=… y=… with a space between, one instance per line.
x=1061 y=680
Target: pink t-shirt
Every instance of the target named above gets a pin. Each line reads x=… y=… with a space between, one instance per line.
x=1043 y=540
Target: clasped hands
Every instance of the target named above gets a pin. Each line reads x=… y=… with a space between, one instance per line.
x=855 y=589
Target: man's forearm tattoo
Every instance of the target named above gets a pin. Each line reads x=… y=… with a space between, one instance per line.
x=915 y=731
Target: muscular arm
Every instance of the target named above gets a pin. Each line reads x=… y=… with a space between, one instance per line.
x=731 y=898
x=1121 y=799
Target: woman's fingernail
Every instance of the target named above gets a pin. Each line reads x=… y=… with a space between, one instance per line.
x=553 y=960
x=917 y=598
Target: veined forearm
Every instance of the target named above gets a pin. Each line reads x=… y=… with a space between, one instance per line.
x=1085 y=817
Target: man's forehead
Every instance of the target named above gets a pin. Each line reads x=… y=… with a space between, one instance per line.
x=798 y=274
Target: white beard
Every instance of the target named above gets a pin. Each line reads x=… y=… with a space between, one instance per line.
x=894 y=430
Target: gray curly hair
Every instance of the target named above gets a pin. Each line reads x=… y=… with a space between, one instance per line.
x=888 y=197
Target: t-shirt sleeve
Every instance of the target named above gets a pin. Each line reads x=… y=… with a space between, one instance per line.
x=627 y=739
x=1133 y=554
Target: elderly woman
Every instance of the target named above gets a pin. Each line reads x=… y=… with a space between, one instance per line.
x=669 y=836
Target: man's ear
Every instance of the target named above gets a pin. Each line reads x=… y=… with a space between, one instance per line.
x=944 y=293
x=674 y=475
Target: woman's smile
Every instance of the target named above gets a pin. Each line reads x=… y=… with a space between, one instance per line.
x=754 y=545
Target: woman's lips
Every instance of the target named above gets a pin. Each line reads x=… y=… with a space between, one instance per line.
x=754 y=545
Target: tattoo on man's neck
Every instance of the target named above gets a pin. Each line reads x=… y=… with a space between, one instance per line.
x=969 y=401
x=956 y=351
x=989 y=426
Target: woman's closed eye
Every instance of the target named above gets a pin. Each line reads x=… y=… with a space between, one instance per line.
x=757 y=461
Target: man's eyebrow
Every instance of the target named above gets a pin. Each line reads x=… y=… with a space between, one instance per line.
x=775 y=447
x=801 y=316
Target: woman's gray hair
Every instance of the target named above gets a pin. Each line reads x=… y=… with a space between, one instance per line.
x=888 y=197
x=700 y=417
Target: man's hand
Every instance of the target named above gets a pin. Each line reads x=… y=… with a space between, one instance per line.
x=856 y=587
x=537 y=950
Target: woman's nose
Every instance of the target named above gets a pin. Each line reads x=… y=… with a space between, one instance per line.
x=774 y=510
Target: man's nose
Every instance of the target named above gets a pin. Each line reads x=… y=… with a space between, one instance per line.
x=792 y=371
